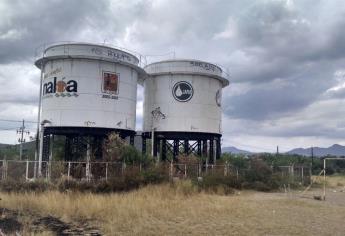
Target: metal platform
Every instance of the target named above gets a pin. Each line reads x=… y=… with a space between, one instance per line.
x=79 y=139
x=206 y=145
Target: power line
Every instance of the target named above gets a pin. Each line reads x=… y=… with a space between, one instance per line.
x=17 y=121
x=4 y=129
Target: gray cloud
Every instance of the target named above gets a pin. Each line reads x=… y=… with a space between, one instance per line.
x=282 y=55
x=25 y=25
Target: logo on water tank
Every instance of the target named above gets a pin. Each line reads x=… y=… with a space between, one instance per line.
x=182 y=91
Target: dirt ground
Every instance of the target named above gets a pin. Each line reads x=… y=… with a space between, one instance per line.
x=162 y=210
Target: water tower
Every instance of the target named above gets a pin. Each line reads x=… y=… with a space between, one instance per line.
x=182 y=108
x=87 y=91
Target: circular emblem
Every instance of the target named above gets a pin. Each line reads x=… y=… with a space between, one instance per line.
x=219 y=97
x=182 y=91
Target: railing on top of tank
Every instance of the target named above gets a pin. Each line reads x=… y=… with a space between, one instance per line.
x=97 y=171
x=223 y=70
x=40 y=50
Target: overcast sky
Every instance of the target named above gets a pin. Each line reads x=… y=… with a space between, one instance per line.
x=286 y=58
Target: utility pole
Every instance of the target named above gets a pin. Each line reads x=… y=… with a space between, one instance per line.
x=21 y=131
x=277 y=150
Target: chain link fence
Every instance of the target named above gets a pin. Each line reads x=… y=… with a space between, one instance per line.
x=98 y=171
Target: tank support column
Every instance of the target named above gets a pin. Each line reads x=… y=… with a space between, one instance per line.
x=199 y=148
x=143 y=146
x=176 y=149
x=155 y=146
x=164 y=149
x=186 y=147
x=204 y=148
x=219 y=149
x=211 y=155
x=131 y=140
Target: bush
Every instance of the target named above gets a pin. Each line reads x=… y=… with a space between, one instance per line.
x=22 y=186
x=258 y=171
x=257 y=185
x=154 y=175
x=218 y=184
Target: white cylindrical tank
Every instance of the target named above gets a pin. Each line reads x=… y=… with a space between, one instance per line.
x=89 y=85
x=183 y=96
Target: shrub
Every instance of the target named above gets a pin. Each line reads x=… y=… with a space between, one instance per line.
x=218 y=184
x=258 y=171
x=257 y=185
x=22 y=186
x=154 y=175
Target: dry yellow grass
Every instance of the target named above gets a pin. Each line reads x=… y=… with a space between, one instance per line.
x=163 y=210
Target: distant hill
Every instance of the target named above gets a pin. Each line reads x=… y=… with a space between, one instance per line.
x=234 y=150
x=2 y=145
x=334 y=150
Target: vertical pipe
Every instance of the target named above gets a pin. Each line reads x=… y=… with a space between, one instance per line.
x=38 y=119
x=40 y=153
x=152 y=141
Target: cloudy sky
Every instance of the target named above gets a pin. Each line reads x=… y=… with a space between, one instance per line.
x=286 y=58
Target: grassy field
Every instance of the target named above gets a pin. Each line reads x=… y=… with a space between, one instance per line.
x=179 y=210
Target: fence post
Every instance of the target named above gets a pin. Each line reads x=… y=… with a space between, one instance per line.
x=185 y=170
x=89 y=172
x=6 y=168
x=302 y=175
x=27 y=171
x=226 y=169
x=123 y=167
x=237 y=173
x=3 y=174
x=69 y=170
x=47 y=170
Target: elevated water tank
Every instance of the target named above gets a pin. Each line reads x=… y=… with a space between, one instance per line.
x=187 y=92
x=182 y=103
x=88 y=91
x=89 y=85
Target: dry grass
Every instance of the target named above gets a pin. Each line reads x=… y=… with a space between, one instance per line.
x=179 y=210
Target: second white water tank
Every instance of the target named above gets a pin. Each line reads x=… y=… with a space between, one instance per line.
x=183 y=96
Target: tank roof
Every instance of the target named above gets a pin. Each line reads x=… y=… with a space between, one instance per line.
x=89 y=51
x=188 y=67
